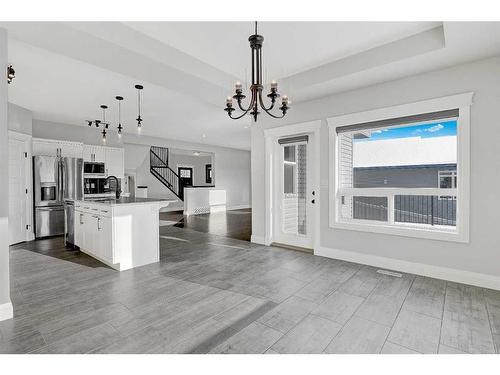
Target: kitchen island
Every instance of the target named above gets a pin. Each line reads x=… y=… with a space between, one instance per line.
x=122 y=233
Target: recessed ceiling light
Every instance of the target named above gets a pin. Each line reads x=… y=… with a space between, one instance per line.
x=196 y=153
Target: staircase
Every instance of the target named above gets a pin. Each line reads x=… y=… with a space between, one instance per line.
x=158 y=161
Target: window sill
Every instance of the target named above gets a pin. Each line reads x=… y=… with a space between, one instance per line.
x=414 y=231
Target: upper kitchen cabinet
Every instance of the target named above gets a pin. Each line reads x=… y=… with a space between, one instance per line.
x=49 y=147
x=92 y=153
x=71 y=149
x=115 y=164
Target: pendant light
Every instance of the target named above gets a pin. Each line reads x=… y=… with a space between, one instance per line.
x=139 y=119
x=119 y=98
x=104 y=107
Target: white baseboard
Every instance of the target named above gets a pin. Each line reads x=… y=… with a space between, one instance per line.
x=239 y=207
x=258 y=239
x=437 y=272
x=6 y=311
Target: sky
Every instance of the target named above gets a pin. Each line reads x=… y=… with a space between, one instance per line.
x=429 y=130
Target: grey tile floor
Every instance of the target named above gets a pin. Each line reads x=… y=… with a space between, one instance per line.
x=213 y=294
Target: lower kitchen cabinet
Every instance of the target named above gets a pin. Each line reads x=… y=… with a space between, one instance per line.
x=94 y=233
x=122 y=234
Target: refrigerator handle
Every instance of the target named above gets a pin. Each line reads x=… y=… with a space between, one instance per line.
x=63 y=180
x=58 y=180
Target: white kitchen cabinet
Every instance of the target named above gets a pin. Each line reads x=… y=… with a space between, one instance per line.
x=115 y=164
x=45 y=147
x=70 y=149
x=50 y=147
x=100 y=154
x=105 y=239
x=88 y=153
x=79 y=228
x=94 y=231
x=123 y=235
x=92 y=153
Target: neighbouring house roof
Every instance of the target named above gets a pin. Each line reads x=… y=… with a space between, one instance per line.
x=405 y=152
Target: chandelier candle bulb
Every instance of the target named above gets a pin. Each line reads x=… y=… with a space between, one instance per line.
x=274 y=85
x=229 y=101
x=238 y=86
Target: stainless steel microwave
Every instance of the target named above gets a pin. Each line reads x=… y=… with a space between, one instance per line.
x=95 y=169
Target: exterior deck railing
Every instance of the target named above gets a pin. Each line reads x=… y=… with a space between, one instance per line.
x=424 y=206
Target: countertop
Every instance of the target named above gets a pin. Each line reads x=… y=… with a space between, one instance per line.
x=129 y=200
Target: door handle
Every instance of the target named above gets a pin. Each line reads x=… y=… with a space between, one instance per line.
x=99 y=224
x=81 y=218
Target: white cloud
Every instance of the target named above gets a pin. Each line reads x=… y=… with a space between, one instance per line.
x=434 y=128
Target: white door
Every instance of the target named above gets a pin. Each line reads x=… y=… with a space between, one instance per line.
x=294 y=192
x=17 y=191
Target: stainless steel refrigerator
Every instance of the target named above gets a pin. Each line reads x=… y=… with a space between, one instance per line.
x=58 y=182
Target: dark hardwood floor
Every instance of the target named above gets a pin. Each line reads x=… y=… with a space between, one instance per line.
x=235 y=224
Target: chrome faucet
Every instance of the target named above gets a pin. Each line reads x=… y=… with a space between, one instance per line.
x=117 y=186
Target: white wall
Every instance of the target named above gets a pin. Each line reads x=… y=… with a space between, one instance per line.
x=197 y=162
x=231 y=166
x=482 y=254
x=5 y=304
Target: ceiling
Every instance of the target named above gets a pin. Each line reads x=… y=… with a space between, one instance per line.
x=66 y=70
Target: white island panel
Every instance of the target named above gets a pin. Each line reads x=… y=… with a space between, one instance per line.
x=136 y=234
x=204 y=200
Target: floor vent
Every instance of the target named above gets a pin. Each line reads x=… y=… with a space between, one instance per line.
x=390 y=273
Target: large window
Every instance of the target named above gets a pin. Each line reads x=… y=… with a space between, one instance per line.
x=400 y=174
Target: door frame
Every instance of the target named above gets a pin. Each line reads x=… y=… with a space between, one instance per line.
x=28 y=180
x=271 y=138
x=182 y=166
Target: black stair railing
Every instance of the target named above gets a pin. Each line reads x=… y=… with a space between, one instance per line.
x=158 y=161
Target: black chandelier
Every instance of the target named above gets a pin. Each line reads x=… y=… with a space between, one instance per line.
x=256 y=100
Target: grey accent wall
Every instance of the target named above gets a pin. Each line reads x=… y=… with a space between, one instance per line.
x=232 y=166
x=4 y=173
x=481 y=254
x=20 y=119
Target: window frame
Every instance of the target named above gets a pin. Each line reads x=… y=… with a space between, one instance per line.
x=461 y=232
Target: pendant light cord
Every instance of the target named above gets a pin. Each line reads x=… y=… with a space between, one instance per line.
x=255 y=27
x=139 y=101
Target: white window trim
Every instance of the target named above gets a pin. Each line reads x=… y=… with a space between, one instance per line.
x=460 y=101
